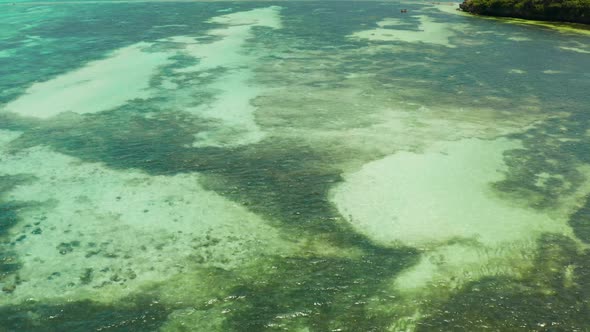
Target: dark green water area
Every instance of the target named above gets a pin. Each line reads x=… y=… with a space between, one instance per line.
x=206 y=195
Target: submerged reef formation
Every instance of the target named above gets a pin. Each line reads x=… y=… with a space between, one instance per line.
x=551 y=296
x=312 y=167
x=574 y=11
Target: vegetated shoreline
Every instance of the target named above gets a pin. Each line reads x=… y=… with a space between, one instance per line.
x=573 y=11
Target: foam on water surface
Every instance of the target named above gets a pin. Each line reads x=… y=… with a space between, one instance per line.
x=519 y=38
x=575 y=49
x=517 y=71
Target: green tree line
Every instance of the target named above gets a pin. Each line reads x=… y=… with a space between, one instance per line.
x=551 y=10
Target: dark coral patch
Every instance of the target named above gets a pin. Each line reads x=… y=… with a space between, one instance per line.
x=580 y=222
x=322 y=293
x=139 y=315
x=552 y=296
x=9 y=217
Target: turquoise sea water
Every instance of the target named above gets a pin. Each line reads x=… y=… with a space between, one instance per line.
x=291 y=166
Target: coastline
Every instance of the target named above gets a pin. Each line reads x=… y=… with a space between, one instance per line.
x=553 y=12
x=563 y=27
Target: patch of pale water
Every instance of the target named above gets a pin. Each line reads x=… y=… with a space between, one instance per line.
x=423 y=199
x=126 y=73
x=99 y=86
x=235 y=89
x=429 y=31
x=442 y=200
x=102 y=234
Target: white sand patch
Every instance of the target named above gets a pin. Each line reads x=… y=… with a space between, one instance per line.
x=227 y=51
x=233 y=108
x=441 y=201
x=440 y=195
x=100 y=85
x=575 y=49
x=129 y=228
x=234 y=89
x=430 y=32
x=126 y=73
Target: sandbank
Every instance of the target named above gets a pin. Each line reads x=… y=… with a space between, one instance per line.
x=98 y=86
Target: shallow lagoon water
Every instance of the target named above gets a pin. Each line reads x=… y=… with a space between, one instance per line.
x=291 y=166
